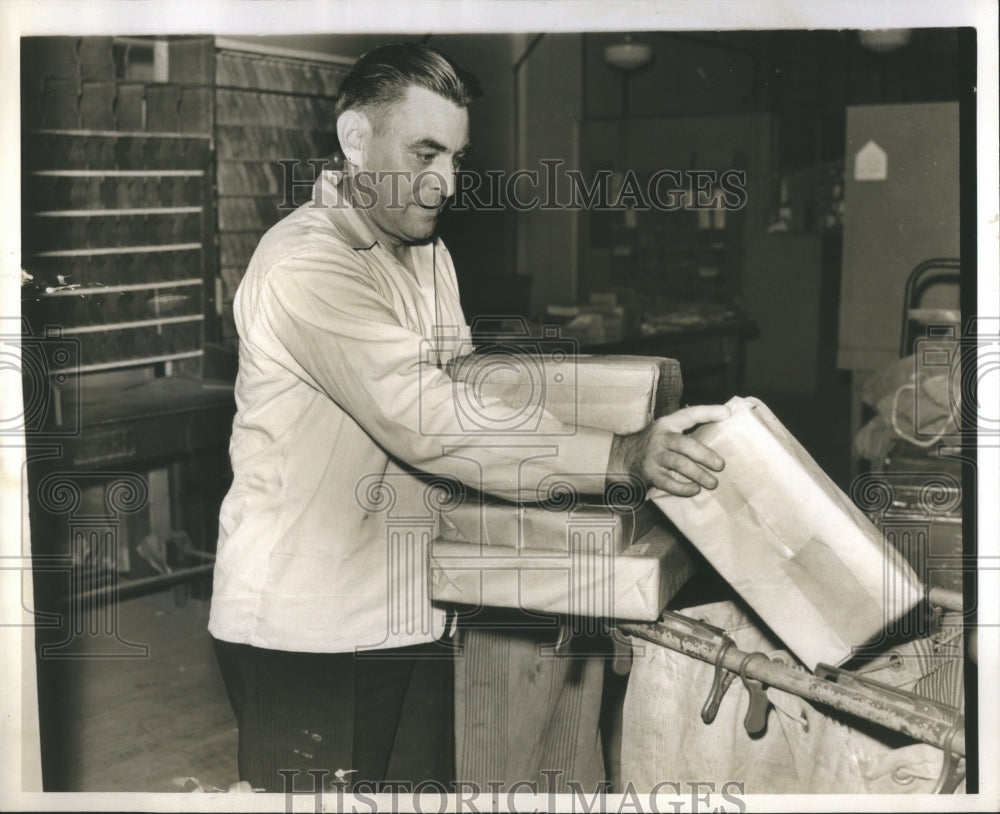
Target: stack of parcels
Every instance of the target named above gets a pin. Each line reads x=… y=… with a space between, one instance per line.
x=591 y=560
x=564 y=556
x=791 y=543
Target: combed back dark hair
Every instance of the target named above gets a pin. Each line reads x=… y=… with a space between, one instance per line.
x=382 y=77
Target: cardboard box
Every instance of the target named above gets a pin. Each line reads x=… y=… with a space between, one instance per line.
x=196 y=110
x=585 y=527
x=97 y=105
x=55 y=57
x=129 y=106
x=803 y=556
x=191 y=60
x=60 y=104
x=635 y=584
x=163 y=108
x=96 y=58
x=617 y=393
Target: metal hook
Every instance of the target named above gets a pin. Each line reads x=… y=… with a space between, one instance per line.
x=622 y=653
x=561 y=645
x=755 y=721
x=952 y=768
x=720 y=682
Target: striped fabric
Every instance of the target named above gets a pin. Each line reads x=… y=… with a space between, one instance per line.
x=931 y=667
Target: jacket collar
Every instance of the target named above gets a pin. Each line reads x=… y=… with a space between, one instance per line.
x=344 y=216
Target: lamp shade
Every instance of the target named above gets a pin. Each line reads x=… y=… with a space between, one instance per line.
x=884 y=39
x=628 y=55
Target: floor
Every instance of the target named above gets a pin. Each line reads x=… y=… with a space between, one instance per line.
x=146 y=723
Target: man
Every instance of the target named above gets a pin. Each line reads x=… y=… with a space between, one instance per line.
x=325 y=635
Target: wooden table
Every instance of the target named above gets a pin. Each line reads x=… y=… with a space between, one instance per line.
x=123 y=438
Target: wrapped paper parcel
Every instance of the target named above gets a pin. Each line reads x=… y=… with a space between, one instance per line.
x=635 y=584
x=617 y=393
x=796 y=548
x=590 y=527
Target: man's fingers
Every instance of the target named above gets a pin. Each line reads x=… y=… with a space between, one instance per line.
x=675 y=487
x=669 y=459
x=695 y=450
x=689 y=417
x=683 y=465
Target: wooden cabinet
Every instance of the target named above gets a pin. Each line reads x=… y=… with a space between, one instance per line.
x=151 y=169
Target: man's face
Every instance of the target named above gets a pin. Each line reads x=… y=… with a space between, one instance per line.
x=411 y=158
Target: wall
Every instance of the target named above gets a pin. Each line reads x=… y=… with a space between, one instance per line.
x=482 y=242
x=551 y=96
x=885 y=234
x=782 y=289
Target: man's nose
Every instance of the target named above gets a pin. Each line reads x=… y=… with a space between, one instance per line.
x=442 y=179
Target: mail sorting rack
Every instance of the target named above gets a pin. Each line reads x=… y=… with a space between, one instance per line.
x=117 y=228
x=921 y=718
x=114 y=236
x=274 y=124
x=116 y=196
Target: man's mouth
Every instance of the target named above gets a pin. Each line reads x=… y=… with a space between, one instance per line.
x=436 y=206
x=431 y=211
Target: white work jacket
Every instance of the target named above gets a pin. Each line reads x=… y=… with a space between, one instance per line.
x=341 y=406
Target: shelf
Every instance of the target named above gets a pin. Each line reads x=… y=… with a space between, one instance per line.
x=302 y=94
x=118 y=173
x=164 y=247
x=44 y=131
x=253 y=49
x=145 y=360
x=114 y=289
x=99 y=213
x=142 y=323
x=265 y=196
x=126 y=588
x=298 y=161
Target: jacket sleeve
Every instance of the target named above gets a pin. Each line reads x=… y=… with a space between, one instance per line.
x=344 y=338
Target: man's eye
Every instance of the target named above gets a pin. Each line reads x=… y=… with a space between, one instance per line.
x=427 y=158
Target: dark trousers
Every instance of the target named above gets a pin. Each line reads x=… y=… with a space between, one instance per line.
x=311 y=721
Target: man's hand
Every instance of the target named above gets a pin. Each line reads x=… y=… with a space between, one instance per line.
x=664 y=457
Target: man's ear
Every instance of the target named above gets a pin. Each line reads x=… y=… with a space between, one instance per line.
x=354 y=130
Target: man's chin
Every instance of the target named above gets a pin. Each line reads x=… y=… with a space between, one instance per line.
x=423 y=231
